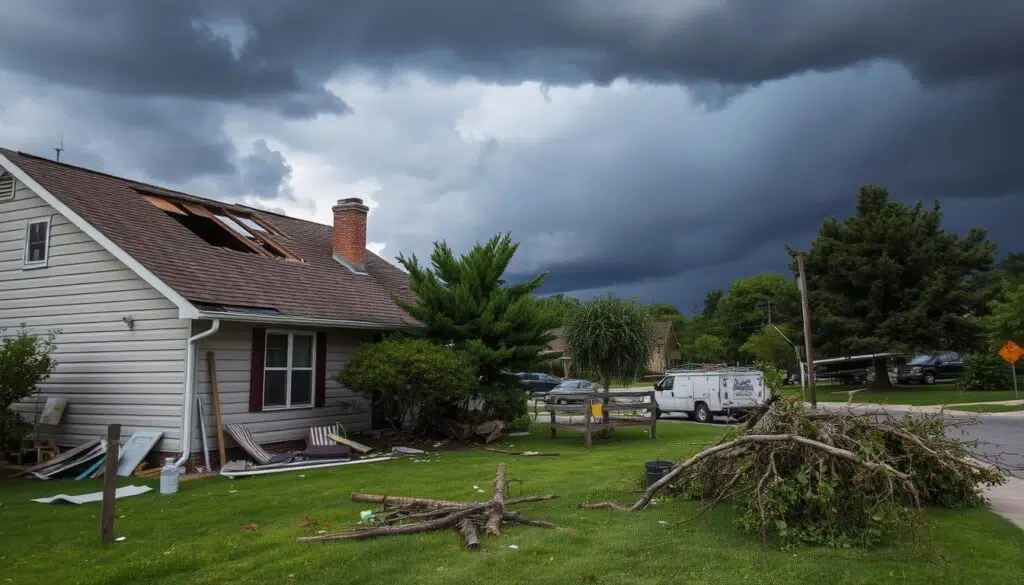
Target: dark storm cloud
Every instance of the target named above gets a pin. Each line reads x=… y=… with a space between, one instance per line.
x=272 y=52
x=265 y=173
x=951 y=132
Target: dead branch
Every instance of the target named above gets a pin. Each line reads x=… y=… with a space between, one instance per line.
x=409 y=515
x=497 y=502
x=444 y=522
x=518 y=518
x=403 y=501
x=468 y=531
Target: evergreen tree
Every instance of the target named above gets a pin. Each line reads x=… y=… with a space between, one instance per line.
x=891 y=279
x=465 y=301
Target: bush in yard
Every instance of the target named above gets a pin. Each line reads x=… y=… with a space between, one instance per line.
x=984 y=371
x=417 y=382
x=25 y=362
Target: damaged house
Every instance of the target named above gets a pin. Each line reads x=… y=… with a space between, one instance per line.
x=143 y=282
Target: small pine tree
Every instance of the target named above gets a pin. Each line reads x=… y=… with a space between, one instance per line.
x=465 y=302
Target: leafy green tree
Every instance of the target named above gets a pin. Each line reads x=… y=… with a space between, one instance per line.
x=745 y=308
x=890 y=278
x=559 y=305
x=26 y=361
x=465 y=302
x=611 y=336
x=417 y=382
x=1006 y=320
x=769 y=346
x=707 y=349
x=711 y=301
x=1013 y=267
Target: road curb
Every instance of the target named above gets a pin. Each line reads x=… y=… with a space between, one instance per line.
x=1007 y=500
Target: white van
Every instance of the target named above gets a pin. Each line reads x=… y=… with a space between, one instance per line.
x=704 y=394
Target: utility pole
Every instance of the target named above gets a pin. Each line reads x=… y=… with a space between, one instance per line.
x=811 y=395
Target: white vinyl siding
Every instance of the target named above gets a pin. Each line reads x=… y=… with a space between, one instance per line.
x=110 y=373
x=232 y=347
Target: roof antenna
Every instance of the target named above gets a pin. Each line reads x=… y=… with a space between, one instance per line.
x=60 y=148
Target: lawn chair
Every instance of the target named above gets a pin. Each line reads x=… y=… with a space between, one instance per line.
x=320 y=445
x=42 y=443
x=261 y=456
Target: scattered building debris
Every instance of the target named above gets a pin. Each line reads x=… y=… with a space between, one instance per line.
x=407 y=451
x=405 y=515
x=135 y=450
x=233 y=469
x=122 y=492
x=523 y=453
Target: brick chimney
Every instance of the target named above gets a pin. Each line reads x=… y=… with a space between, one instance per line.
x=350 y=233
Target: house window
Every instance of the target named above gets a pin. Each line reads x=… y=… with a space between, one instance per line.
x=288 y=370
x=37 y=242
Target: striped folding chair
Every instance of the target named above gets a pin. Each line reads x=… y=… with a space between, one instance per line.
x=261 y=456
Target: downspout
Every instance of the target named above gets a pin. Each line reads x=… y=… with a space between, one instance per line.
x=187 y=406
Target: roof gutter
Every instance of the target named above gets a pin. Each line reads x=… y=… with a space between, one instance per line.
x=302 y=321
x=187 y=407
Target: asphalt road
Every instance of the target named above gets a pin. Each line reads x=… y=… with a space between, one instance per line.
x=1001 y=437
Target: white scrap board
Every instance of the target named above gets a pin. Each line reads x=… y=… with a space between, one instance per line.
x=53 y=410
x=135 y=450
x=312 y=464
x=121 y=492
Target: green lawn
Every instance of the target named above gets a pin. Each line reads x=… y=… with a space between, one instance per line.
x=915 y=394
x=989 y=407
x=196 y=535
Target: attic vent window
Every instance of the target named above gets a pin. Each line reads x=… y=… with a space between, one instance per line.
x=223 y=227
x=7 y=186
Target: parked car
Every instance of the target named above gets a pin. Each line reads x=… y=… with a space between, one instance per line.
x=931 y=368
x=537 y=382
x=702 y=395
x=563 y=393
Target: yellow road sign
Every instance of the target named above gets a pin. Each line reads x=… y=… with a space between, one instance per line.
x=1011 y=352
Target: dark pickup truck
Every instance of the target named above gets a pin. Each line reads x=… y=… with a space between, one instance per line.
x=931 y=368
x=537 y=382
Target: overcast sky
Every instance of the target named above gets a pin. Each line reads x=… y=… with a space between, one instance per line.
x=657 y=147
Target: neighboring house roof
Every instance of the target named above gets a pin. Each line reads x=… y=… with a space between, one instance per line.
x=218 y=279
x=558 y=343
x=662 y=331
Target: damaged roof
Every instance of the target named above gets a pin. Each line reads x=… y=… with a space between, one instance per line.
x=216 y=278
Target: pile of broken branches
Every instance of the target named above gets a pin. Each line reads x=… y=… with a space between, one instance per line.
x=407 y=515
x=830 y=478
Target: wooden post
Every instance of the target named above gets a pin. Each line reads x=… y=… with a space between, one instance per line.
x=551 y=409
x=215 y=392
x=654 y=415
x=110 y=484
x=588 y=404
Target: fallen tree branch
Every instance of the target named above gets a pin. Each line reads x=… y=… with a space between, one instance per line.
x=468 y=531
x=445 y=522
x=409 y=515
x=493 y=526
x=426 y=502
x=669 y=477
